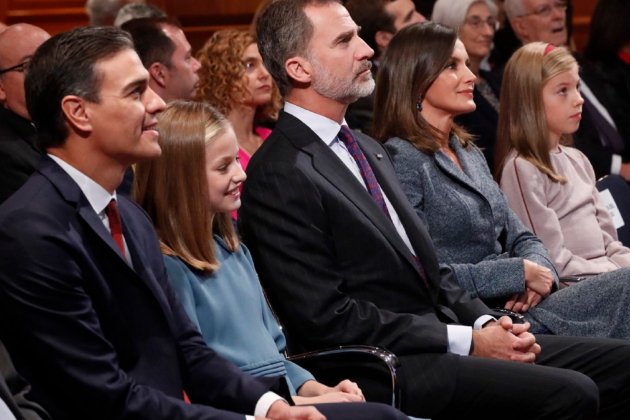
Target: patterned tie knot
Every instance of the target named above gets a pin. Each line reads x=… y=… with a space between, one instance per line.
x=374 y=189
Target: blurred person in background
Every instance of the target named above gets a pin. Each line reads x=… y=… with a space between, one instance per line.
x=233 y=78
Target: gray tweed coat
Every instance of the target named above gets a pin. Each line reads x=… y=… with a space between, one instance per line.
x=483 y=241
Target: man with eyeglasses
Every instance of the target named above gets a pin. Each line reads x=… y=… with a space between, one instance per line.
x=18 y=154
x=538 y=20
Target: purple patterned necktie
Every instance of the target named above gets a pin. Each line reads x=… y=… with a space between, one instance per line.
x=345 y=135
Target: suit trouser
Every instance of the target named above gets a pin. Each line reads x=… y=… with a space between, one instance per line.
x=360 y=411
x=573 y=378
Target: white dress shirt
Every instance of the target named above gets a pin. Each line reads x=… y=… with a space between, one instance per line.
x=5 y=413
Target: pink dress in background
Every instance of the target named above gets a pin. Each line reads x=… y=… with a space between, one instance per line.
x=244 y=157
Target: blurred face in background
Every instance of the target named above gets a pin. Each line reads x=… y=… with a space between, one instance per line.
x=544 y=21
x=477 y=30
x=182 y=73
x=404 y=13
x=17 y=45
x=257 y=79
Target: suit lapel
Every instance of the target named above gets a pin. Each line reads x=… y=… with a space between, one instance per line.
x=416 y=232
x=458 y=175
x=137 y=251
x=72 y=194
x=330 y=167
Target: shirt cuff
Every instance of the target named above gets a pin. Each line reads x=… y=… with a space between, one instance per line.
x=482 y=320
x=459 y=339
x=460 y=336
x=615 y=164
x=265 y=402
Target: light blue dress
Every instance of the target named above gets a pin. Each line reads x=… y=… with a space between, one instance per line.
x=232 y=314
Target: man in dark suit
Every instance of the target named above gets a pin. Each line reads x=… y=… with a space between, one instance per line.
x=345 y=260
x=13 y=403
x=18 y=154
x=86 y=311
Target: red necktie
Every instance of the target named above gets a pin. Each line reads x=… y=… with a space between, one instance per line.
x=115 y=225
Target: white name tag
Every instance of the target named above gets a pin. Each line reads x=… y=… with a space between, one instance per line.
x=611 y=206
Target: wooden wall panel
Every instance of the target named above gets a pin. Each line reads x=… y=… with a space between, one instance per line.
x=582 y=11
x=199 y=17
x=52 y=15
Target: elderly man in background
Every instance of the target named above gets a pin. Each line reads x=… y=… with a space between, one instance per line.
x=598 y=137
x=18 y=154
x=538 y=20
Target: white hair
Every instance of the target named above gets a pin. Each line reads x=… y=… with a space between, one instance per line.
x=453 y=12
x=133 y=11
x=514 y=8
x=103 y=12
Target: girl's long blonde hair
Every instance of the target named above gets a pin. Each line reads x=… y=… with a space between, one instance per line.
x=522 y=120
x=173 y=189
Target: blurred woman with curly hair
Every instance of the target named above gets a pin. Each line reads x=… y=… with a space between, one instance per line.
x=234 y=79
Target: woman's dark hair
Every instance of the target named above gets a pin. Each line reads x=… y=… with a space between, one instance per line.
x=414 y=58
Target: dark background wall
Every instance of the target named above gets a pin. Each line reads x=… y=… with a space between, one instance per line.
x=199 y=17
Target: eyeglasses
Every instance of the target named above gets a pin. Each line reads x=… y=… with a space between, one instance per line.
x=20 y=68
x=545 y=10
x=477 y=22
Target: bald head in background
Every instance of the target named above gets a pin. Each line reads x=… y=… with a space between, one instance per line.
x=17 y=44
x=2 y=26
x=18 y=155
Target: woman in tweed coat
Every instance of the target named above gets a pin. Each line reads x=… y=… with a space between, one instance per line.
x=449 y=184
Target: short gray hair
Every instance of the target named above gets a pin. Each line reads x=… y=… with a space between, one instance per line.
x=103 y=12
x=514 y=8
x=453 y=12
x=132 y=11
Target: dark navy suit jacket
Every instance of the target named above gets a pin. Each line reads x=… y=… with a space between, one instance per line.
x=96 y=337
x=335 y=268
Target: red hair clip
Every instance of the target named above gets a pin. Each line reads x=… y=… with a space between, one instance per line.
x=548 y=49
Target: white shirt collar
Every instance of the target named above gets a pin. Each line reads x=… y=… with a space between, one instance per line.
x=325 y=128
x=97 y=196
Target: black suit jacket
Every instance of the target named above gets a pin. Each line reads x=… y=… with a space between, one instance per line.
x=18 y=155
x=333 y=265
x=612 y=89
x=95 y=337
x=13 y=389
